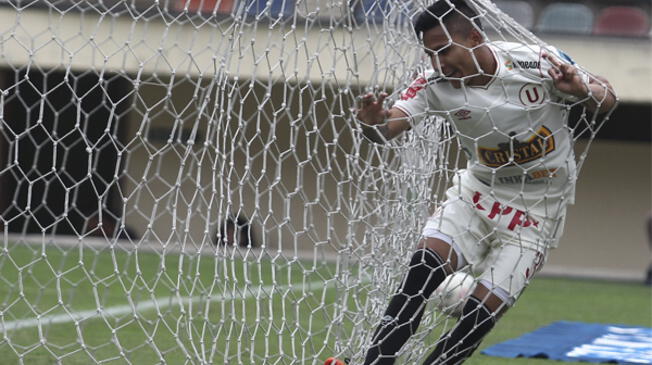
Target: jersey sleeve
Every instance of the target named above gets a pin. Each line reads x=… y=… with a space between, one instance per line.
x=413 y=101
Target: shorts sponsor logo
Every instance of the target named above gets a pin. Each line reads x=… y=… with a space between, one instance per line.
x=516 y=152
x=534 y=177
x=536 y=265
x=516 y=217
x=412 y=90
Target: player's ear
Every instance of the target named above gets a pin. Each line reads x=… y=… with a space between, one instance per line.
x=476 y=37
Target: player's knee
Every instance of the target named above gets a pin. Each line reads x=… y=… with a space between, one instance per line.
x=426 y=272
x=496 y=299
x=427 y=258
x=443 y=249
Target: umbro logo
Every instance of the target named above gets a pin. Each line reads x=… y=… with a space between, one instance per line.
x=462 y=114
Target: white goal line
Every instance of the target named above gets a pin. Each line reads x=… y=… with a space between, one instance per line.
x=127 y=246
x=80 y=316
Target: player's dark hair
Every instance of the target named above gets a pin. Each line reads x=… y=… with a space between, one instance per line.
x=455 y=15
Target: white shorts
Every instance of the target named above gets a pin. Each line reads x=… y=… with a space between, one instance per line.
x=505 y=246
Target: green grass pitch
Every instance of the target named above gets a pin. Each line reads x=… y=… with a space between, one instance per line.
x=282 y=326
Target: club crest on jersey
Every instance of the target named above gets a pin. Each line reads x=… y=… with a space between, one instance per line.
x=462 y=114
x=532 y=95
x=412 y=90
x=516 y=152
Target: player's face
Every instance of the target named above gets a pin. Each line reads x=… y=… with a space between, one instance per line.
x=452 y=57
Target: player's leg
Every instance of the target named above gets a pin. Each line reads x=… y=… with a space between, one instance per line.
x=508 y=269
x=452 y=239
x=479 y=316
x=433 y=260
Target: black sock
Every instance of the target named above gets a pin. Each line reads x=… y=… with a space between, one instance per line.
x=406 y=307
x=456 y=346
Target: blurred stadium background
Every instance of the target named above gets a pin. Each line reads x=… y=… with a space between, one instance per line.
x=606 y=234
x=48 y=48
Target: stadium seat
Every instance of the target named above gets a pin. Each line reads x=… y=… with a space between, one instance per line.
x=371 y=11
x=521 y=11
x=205 y=6
x=376 y=11
x=570 y=18
x=284 y=8
x=622 y=21
x=327 y=9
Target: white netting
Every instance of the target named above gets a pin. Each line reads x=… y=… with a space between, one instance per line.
x=184 y=181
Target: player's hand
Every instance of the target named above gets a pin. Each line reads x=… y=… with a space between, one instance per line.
x=371 y=110
x=566 y=78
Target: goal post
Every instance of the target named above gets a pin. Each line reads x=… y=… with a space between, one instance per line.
x=184 y=181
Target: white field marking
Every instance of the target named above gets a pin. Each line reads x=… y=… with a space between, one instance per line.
x=143 y=245
x=79 y=316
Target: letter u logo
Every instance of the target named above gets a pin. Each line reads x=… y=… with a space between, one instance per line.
x=532 y=98
x=532 y=94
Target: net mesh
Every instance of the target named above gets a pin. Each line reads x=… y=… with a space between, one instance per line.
x=185 y=181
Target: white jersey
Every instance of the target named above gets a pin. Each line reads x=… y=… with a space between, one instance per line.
x=513 y=130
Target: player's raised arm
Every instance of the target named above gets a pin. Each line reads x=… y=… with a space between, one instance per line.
x=603 y=97
x=599 y=93
x=380 y=124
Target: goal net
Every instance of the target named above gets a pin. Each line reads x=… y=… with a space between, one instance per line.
x=185 y=182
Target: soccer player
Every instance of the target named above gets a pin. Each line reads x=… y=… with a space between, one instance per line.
x=508 y=104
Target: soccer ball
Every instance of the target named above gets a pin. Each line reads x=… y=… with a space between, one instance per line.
x=450 y=296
